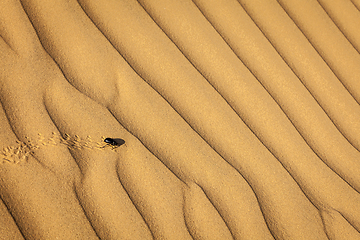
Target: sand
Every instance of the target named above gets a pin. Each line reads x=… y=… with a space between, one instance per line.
x=241 y=119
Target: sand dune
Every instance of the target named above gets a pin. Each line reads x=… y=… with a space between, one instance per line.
x=241 y=119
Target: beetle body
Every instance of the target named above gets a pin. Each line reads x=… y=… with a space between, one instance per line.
x=114 y=143
x=111 y=141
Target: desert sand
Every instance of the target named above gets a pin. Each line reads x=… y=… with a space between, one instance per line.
x=241 y=119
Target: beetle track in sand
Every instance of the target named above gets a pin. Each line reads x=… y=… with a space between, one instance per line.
x=20 y=152
x=15 y=154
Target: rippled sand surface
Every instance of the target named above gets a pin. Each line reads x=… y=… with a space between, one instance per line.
x=241 y=119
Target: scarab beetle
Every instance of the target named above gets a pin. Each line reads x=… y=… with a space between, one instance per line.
x=114 y=143
x=110 y=141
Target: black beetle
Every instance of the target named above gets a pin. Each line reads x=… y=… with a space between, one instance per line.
x=114 y=142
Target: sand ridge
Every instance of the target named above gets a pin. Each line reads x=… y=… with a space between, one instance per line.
x=240 y=119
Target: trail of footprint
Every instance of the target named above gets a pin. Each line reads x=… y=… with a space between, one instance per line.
x=20 y=152
x=15 y=154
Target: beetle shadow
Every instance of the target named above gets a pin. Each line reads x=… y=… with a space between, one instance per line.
x=119 y=141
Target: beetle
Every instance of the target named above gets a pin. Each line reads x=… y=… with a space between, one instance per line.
x=114 y=143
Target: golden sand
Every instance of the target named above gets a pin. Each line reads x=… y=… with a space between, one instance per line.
x=241 y=119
